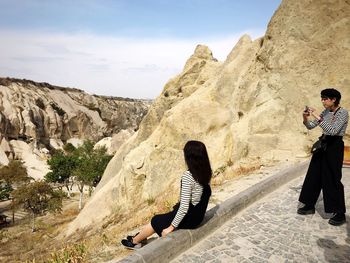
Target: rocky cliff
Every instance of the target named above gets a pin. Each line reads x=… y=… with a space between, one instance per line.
x=245 y=109
x=38 y=117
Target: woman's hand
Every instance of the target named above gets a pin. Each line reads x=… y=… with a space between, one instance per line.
x=167 y=230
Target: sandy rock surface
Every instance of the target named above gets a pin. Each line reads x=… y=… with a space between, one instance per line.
x=245 y=109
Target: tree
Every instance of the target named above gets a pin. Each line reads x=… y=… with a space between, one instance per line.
x=38 y=198
x=91 y=165
x=62 y=167
x=83 y=164
x=11 y=175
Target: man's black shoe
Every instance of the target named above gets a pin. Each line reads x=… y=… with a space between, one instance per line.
x=306 y=210
x=338 y=219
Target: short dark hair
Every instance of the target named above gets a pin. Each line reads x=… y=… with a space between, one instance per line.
x=197 y=161
x=332 y=94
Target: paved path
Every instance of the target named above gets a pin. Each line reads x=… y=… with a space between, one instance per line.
x=270 y=230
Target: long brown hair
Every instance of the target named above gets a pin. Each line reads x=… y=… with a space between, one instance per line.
x=197 y=161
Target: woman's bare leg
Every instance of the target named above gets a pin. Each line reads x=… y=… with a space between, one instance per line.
x=144 y=233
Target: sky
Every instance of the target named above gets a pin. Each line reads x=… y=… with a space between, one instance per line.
x=124 y=48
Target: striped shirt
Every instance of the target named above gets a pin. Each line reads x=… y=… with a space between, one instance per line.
x=332 y=123
x=191 y=191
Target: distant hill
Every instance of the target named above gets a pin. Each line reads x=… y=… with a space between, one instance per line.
x=36 y=118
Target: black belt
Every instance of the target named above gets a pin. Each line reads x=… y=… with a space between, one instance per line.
x=331 y=138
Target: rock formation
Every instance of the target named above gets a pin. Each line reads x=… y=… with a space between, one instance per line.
x=38 y=117
x=244 y=109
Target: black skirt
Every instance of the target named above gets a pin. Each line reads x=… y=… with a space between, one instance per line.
x=192 y=219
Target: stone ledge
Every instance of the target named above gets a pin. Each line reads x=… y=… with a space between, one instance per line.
x=167 y=248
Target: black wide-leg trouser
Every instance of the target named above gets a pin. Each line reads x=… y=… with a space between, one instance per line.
x=325 y=172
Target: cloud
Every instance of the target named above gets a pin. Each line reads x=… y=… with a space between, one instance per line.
x=105 y=65
x=35 y=59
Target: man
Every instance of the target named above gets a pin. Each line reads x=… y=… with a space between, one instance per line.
x=325 y=169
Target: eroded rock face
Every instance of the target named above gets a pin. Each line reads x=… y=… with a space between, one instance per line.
x=45 y=116
x=246 y=108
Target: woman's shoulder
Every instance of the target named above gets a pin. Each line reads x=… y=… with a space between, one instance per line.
x=187 y=175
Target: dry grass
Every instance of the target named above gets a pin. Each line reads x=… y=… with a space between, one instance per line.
x=19 y=244
x=227 y=173
x=106 y=245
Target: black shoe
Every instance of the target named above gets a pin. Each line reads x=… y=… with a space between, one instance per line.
x=338 y=219
x=306 y=210
x=131 y=237
x=143 y=242
x=128 y=244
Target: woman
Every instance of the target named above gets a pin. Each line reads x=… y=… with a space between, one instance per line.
x=194 y=197
x=325 y=169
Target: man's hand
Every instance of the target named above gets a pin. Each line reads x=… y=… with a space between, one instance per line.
x=306 y=113
x=314 y=113
x=167 y=230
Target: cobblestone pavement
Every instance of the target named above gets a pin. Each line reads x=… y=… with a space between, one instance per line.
x=270 y=230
